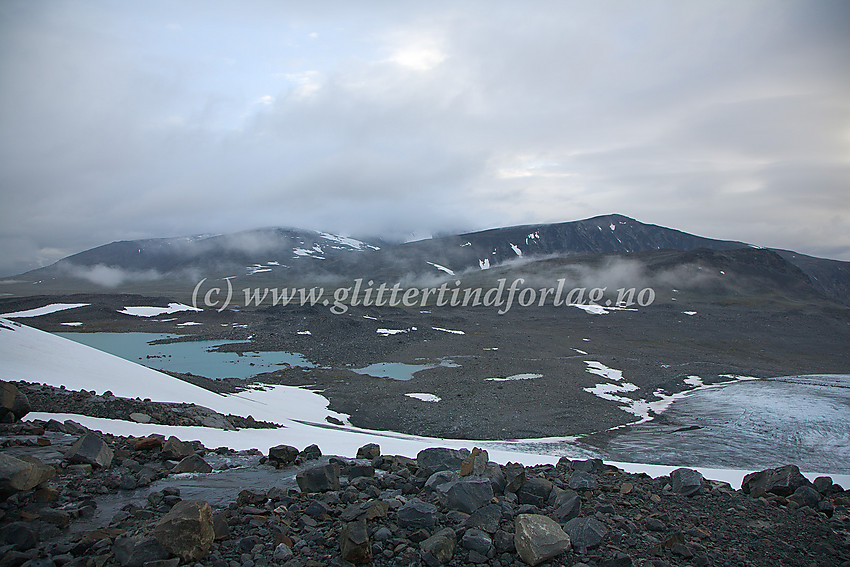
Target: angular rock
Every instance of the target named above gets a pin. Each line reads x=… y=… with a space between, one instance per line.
x=416 y=514
x=514 y=476
x=137 y=551
x=593 y=466
x=20 y=535
x=806 y=496
x=192 y=464
x=148 y=443
x=535 y=491
x=354 y=542
x=283 y=455
x=585 y=533
x=823 y=484
x=568 y=507
x=282 y=553
x=14 y=405
x=90 y=449
x=538 y=538
x=187 y=530
x=477 y=540
x=310 y=453
x=369 y=451
x=582 y=480
x=486 y=518
x=18 y=474
x=496 y=476
x=319 y=479
x=174 y=449
x=475 y=463
x=467 y=494
x=686 y=482
x=439 y=548
x=782 y=481
x=435 y=459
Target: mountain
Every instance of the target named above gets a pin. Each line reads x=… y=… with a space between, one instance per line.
x=287 y=257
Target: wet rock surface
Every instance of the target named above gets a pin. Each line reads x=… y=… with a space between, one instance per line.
x=135 y=511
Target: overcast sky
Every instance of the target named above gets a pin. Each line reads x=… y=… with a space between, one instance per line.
x=123 y=120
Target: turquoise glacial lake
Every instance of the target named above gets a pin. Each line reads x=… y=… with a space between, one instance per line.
x=195 y=357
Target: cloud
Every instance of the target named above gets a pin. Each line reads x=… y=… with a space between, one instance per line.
x=119 y=121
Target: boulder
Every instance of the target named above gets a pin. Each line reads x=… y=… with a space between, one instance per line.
x=535 y=491
x=435 y=459
x=139 y=417
x=283 y=455
x=147 y=443
x=174 y=449
x=486 y=518
x=585 y=533
x=319 y=479
x=137 y=551
x=582 y=480
x=192 y=464
x=496 y=476
x=187 y=530
x=686 y=482
x=439 y=548
x=369 y=451
x=416 y=514
x=467 y=494
x=538 y=538
x=806 y=496
x=477 y=540
x=354 y=542
x=18 y=474
x=309 y=453
x=593 y=466
x=782 y=481
x=514 y=476
x=90 y=449
x=567 y=506
x=13 y=403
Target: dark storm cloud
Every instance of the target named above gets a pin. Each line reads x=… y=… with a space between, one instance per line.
x=728 y=119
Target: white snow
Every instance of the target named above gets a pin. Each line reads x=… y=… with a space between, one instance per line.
x=491 y=348
x=689 y=312
x=516 y=377
x=424 y=397
x=612 y=226
x=694 y=381
x=308 y=253
x=516 y=249
x=448 y=331
x=47 y=309
x=188 y=324
x=600 y=369
x=143 y=311
x=303 y=333
x=466 y=244
x=591 y=308
x=441 y=268
x=73 y=324
x=369 y=317
x=578 y=350
x=388 y=332
x=484 y=264
x=350 y=242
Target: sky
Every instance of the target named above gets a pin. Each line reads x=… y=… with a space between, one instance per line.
x=125 y=120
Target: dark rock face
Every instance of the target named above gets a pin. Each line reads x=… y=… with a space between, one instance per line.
x=354 y=542
x=14 y=404
x=137 y=551
x=585 y=533
x=319 y=479
x=436 y=459
x=467 y=494
x=439 y=548
x=176 y=450
x=369 y=451
x=686 y=481
x=90 y=449
x=192 y=464
x=283 y=455
x=782 y=481
x=187 y=530
x=417 y=514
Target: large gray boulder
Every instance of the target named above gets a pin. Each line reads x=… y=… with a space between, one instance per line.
x=416 y=514
x=782 y=481
x=174 y=449
x=435 y=459
x=90 y=449
x=192 y=464
x=14 y=405
x=319 y=479
x=535 y=491
x=538 y=538
x=687 y=482
x=585 y=533
x=136 y=551
x=467 y=494
x=282 y=455
x=187 y=530
x=18 y=474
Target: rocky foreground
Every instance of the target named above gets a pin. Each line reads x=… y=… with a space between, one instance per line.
x=443 y=507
